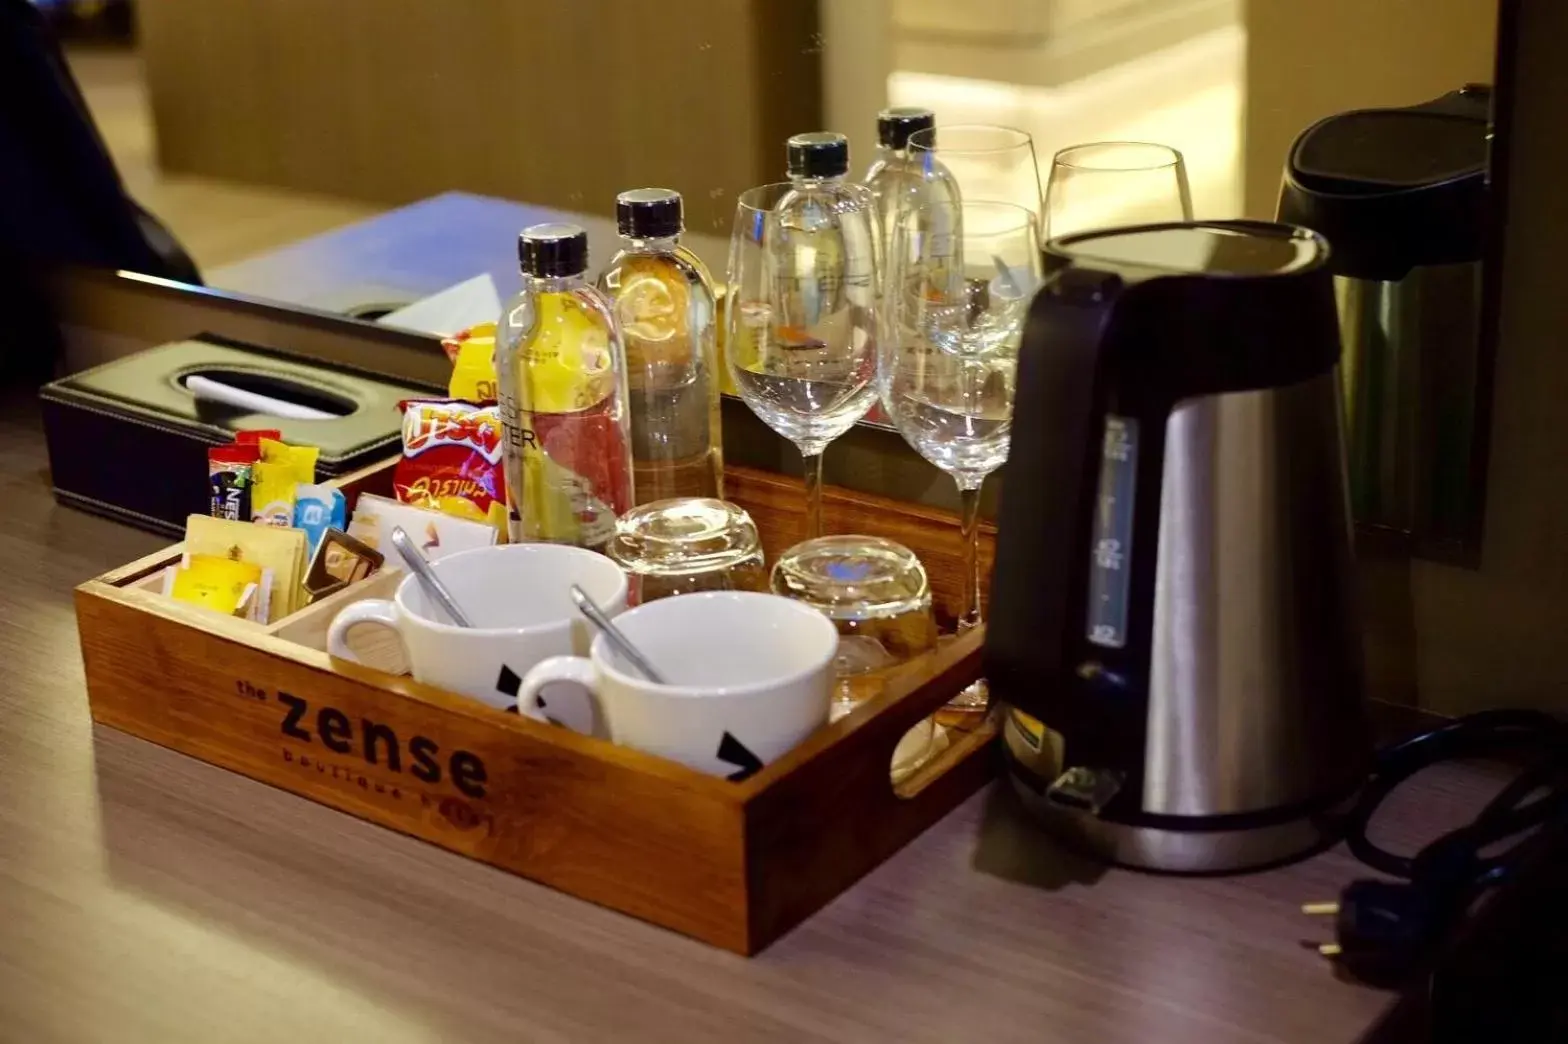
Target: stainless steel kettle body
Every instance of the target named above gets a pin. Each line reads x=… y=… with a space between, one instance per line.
x=1201 y=709
x=1410 y=376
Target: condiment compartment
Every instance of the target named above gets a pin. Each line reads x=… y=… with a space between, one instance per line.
x=733 y=864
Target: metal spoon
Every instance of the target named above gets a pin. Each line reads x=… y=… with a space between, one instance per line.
x=427 y=576
x=1005 y=274
x=613 y=634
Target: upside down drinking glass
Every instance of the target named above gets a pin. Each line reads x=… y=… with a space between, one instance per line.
x=960 y=278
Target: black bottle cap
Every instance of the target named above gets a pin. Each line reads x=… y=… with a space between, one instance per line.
x=894 y=126
x=820 y=154
x=649 y=213
x=553 y=250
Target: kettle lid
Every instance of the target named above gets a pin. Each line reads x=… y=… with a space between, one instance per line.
x=1370 y=151
x=1201 y=307
x=1394 y=188
x=1210 y=248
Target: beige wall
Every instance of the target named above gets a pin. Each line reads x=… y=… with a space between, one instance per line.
x=1307 y=60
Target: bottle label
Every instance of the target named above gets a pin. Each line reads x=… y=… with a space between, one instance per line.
x=652 y=306
x=573 y=370
x=566 y=438
x=575 y=475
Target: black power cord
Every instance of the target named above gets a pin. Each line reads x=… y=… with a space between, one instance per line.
x=1387 y=930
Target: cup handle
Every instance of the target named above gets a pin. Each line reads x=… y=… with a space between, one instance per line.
x=575 y=669
x=368 y=610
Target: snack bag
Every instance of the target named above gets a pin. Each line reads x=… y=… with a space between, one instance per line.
x=452 y=460
x=473 y=363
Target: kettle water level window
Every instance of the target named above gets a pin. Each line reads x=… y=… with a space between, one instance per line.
x=1110 y=567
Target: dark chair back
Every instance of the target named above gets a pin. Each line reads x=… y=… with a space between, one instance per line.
x=61 y=199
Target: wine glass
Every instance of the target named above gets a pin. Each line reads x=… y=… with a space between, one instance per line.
x=1111 y=183
x=978 y=161
x=960 y=278
x=802 y=317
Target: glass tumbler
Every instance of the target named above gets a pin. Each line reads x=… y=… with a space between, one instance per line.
x=685 y=545
x=876 y=593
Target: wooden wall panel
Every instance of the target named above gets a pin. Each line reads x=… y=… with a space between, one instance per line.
x=556 y=102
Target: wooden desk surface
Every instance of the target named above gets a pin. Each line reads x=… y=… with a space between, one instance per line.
x=414 y=251
x=145 y=896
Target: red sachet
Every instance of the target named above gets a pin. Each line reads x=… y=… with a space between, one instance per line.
x=229 y=475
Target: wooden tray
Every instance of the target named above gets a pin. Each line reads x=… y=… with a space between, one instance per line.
x=734 y=864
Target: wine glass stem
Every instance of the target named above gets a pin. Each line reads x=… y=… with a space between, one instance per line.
x=813 y=463
x=969 y=532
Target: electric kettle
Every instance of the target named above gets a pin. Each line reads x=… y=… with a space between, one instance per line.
x=1401 y=196
x=1173 y=622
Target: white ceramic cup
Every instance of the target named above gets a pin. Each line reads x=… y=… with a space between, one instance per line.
x=749 y=676
x=518 y=597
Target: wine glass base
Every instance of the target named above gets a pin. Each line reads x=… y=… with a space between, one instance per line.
x=916 y=747
x=966 y=711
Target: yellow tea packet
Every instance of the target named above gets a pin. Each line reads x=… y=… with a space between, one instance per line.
x=271 y=548
x=220 y=584
x=301 y=458
x=273 y=480
x=272 y=495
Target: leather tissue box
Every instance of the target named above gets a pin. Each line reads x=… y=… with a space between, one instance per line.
x=129 y=440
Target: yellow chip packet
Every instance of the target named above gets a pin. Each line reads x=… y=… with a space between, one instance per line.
x=473 y=365
x=498 y=519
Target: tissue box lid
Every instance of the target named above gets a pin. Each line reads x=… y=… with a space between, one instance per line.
x=146 y=388
x=128 y=440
